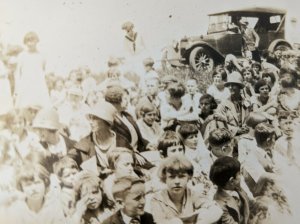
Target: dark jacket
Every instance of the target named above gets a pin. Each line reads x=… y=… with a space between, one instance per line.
x=116 y=218
x=120 y=128
x=85 y=149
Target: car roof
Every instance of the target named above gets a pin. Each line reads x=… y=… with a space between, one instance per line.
x=252 y=11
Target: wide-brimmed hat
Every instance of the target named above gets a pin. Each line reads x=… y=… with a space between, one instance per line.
x=236 y=78
x=104 y=110
x=47 y=119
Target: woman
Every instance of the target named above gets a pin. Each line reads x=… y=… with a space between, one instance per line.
x=100 y=141
x=264 y=102
x=177 y=203
x=31 y=88
x=217 y=89
x=208 y=120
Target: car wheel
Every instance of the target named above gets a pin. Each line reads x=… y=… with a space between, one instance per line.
x=201 y=60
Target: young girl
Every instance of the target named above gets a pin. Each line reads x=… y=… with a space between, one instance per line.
x=37 y=204
x=31 y=88
x=91 y=199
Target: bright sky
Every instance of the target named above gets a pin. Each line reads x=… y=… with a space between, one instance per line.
x=87 y=32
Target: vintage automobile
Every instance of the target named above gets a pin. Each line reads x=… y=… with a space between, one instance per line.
x=223 y=37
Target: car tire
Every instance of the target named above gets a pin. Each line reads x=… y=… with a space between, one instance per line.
x=201 y=60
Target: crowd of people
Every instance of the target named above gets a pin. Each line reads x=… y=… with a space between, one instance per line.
x=86 y=150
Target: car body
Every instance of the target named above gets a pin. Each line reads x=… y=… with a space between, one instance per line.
x=224 y=37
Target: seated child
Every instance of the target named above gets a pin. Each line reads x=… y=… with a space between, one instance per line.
x=39 y=205
x=66 y=170
x=177 y=203
x=170 y=143
x=93 y=205
x=121 y=163
x=129 y=193
x=149 y=128
x=225 y=174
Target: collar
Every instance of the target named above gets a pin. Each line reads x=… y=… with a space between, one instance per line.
x=127 y=218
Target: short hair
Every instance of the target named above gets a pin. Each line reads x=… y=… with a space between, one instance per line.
x=146 y=107
x=284 y=114
x=168 y=139
x=30 y=36
x=187 y=129
x=211 y=99
x=259 y=84
x=223 y=169
x=269 y=74
x=256 y=64
x=175 y=164
x=247 y=69
x=219 y=136
x=64 y=163
x=254 y=119
x=114 y=94
x=28 y=172
x=113 y=71
x=86 y=178
x=123 y=185
x=263 y=132
x=222 y=73
x=115 y=154
x=176 y=90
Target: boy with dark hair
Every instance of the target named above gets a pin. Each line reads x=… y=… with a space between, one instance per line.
x=129 y=193
x=225 y=173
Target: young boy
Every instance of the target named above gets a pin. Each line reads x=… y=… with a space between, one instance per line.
x=178 y=203
x=129 y=193
x=225 y=174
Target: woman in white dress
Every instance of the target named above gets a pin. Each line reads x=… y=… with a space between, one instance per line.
x=31 y=88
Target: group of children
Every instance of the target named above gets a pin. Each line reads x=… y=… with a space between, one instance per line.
x=153 y=149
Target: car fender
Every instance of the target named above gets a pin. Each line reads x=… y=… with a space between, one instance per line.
x=217 y=55
x=278 y=42
x=172 y=56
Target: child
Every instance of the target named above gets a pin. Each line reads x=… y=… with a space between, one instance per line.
x=66 y=170
x=92 y=202
x=40 y=205
x=225 y=174
x=121 y=163
x=177 y=203
x=170 y=143
x=149 y=128
x=129 y=192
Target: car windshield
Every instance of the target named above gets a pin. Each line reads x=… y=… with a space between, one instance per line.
x=218 y=23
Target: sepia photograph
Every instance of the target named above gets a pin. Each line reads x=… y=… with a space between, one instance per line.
x=149 y=112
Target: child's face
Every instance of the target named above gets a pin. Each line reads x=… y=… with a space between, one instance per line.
x=94 y=195
x=149 y=118
x=217 y=79
x=68 y=176
x=191 y=86
x=286 y=125
x=134 y=201
x=175 y=150
x=177 y=183
x=124 y=165
x=191 y=141
x=247 y=76
x=264 y=90
x=34 y=189
x=205 y=106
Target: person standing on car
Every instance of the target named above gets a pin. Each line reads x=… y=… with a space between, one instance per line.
x=250 y=40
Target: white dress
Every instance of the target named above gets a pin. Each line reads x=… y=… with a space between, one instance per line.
x=31 y=87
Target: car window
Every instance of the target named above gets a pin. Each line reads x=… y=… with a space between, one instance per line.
x=252 y=21
x=218 y=23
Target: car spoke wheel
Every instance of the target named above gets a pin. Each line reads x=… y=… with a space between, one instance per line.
x=201 y=60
